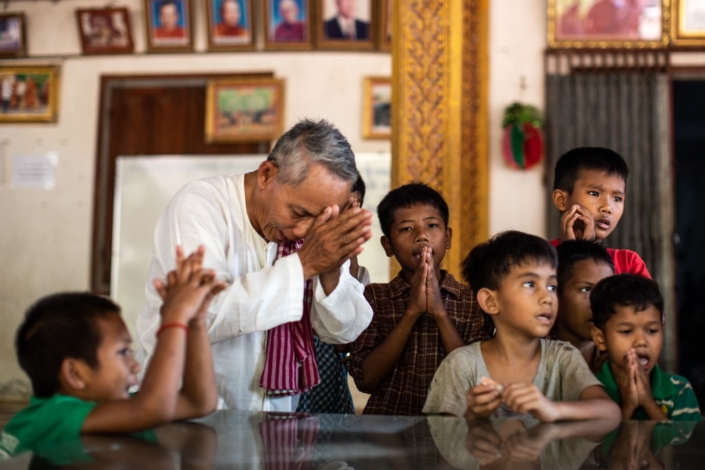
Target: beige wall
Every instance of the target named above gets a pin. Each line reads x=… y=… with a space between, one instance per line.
x=45 y=235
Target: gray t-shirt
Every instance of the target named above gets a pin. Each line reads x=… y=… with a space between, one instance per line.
x=562 y=375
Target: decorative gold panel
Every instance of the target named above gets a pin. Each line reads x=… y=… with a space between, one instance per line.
x=439 y=111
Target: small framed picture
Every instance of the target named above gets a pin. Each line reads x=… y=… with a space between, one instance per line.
x=244 y=109
x=29 y=94
x=607 y=24
x=346 y=24
x=385 y=23
x=105 y=30
x=230 y=25
x=688 y=23
x=169 y=25
x=13 y=36
x=287 y=24
x=377 y=108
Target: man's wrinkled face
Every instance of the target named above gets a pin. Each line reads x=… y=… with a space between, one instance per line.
x=291 y=210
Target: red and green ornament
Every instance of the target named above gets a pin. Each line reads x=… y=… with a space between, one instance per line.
x=522 y=141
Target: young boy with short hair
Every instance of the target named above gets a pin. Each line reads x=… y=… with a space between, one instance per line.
x=421 y=315
x=75 y=348
x=589 y=188
x=628 y=328
x=513 y=276
x=581 y=265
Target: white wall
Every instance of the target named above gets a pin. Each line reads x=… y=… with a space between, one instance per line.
x=45 y=236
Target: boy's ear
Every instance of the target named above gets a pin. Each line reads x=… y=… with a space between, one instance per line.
x=73 y=374
x=560 y=199
x=598 y=337
x=487 y=300
x=449 y=237
x=387 y=245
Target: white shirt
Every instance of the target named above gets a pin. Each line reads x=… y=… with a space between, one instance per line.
x=260 y=295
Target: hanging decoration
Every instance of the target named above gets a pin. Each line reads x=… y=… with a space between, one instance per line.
x=522 y=141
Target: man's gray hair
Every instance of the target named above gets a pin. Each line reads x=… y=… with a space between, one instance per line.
x=310 y=142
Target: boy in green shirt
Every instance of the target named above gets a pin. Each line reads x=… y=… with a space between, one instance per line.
x=628 y=326
x=76 y=350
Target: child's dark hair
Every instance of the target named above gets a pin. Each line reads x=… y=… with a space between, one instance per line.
x=627 y=290
x=57 y=327
x=488 y=263
x=359 y=188
x=409 y=195
x=574 y=161
x=572 y=251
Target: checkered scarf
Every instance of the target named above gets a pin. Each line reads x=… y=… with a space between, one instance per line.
x=290 y=365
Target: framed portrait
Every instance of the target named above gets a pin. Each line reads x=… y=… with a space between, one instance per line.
x=13 y=36
x=105 y=30
x=377 y=108
x=245 y=109
x=287 y=24
x=688 y=23
x=230 y=25
x=607 y=24
x=385 y=25
x=169 y=25
x=29 y=94
x=346 y=24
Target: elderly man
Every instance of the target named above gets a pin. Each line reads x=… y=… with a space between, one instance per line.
x=290 y=29
x=344 y=25
x=261 y=326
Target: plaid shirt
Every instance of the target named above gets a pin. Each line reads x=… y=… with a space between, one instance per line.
x=404 y=391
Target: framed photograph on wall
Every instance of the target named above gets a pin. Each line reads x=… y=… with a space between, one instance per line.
x=29 y=94
x=169 y=25
x=245 y=109
x=377 y=108
x=287 y=24
x=385 y=25
x=346 y=24
x=13 y=35
x=688 y=23
x=105 y=30
x=230 y=25
x=607 y=24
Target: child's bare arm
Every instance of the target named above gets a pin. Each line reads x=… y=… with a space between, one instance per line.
x=156 y=402
x=594 y=403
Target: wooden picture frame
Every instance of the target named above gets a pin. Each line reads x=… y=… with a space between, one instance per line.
x=104 y=30
x=168 y=25
x=377 y=108
x=244 y=110
x=287 y=34
x=13 y=35
x=599 y=24
x=329 y=32
x=223 y=36
x=34 y=94
x=686 y=31
x=384 y=34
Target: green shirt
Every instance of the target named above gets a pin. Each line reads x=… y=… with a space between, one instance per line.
x=672 y=393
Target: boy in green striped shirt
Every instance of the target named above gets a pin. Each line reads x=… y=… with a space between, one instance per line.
x=628 y=326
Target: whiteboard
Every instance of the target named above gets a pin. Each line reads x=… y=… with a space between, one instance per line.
x=145 y=185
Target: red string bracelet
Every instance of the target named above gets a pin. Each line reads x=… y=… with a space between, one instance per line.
x=172 y=325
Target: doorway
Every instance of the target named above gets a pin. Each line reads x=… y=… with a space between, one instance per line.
x=689 y=188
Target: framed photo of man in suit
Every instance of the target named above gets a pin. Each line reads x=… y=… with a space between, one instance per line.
x=346 y=24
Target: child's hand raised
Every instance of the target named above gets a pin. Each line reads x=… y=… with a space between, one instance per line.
x=434 y=301
x=525 y=398
x=626 y=379
x=577 y=223
x=483 y=400
x=189 y=289
x=417 y=301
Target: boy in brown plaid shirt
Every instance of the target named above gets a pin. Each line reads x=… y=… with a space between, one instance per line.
x=421 y=315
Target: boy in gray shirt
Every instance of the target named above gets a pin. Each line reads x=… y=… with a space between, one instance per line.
x=513 y=277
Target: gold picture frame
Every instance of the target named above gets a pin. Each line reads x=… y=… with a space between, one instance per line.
x=377 y=108
x=384 y=34
x=13 y=40
x=34 y=94
x=244 y=110
x=569 y=21
x=680 y=35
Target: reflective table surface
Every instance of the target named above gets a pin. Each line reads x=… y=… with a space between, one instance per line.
x=343 y=442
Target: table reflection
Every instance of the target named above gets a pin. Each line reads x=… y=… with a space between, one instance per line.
x=344 y=442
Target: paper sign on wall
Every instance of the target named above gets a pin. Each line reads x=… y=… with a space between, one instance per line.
x=34 y=171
